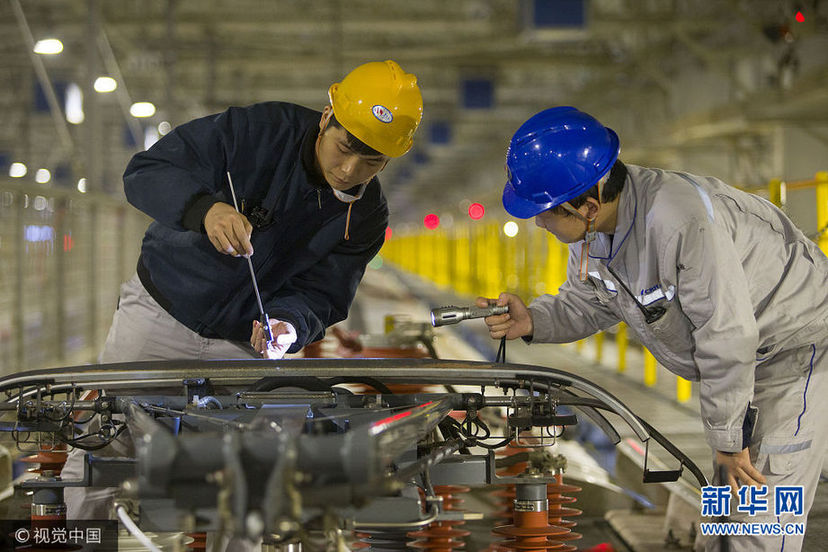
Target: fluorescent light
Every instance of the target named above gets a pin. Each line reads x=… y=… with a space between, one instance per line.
x=511 y=229
x=48 y=46
x=164 y=127
x=82 y=185
x=42 y=176
x=17 y=170
x=142 y=109
x=105 y=84
x=74 y=104
x=150 y=137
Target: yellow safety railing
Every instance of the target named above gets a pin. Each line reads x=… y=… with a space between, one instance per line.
x=778 y=193
x=478 y=259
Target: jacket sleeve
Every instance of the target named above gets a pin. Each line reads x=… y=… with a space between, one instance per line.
x=321 y=296
x=182 y=173
x=714 y=295
x=573 y=314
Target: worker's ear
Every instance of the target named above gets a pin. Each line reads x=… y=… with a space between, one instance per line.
x=592 y=208
x=326 y=117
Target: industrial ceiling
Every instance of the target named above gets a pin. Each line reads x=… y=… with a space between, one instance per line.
x=669 y=76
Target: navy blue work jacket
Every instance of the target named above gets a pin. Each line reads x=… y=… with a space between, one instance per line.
x=307 y=272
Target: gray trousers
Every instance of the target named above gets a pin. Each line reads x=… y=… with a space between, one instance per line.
x=141 y=330
x=789 y=442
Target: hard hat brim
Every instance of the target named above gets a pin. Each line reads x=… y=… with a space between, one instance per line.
x=519 y=207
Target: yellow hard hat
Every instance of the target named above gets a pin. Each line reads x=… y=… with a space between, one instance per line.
x=380 y=104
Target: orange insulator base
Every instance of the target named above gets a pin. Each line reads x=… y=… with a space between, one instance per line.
x=443 y=536
x=47 y=460
x=557 y=513
x=199 y=543
x=555 y=517
x=505 y=497
x=505 y=494
x=531 y=532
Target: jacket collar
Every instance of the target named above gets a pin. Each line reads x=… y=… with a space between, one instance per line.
x=307 y=152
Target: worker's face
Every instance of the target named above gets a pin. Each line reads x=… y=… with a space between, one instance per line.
x=567 y=228
x=342 y=167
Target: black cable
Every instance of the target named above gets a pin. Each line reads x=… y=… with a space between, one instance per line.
x=501 y=351
x=429 y=347
x=105 y=443
x=472 y=441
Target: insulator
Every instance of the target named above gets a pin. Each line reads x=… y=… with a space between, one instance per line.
x=199 y=543
x=531 y=530
x=559 y=513
x=505 y=498
x=443 y=536
x=505 y=494
x=51 y=460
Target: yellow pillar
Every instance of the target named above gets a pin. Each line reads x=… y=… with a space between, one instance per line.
x=650 y=368
x=599 y=347
x=822 y=209
x=579 y=345
x=442 y=272
x=683 y=389
x=524 y=267
x=621 y=343
x=462 y=269
x=775 y=192
x=495 y=262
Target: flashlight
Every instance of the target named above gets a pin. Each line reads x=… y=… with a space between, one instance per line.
x=442 y=316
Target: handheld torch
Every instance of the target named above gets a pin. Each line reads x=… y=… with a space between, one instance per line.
x=442 y=316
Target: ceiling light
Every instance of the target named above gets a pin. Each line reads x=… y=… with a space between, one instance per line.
x=142 y=109
x=105 y=84
x=42 y=176
x=150 y=137
x=17 y=170
x=74 y=104
x=82 y=185
x=48 y=46
x=164 y=127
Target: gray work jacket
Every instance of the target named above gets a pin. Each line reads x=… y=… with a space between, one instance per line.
x=738 y=280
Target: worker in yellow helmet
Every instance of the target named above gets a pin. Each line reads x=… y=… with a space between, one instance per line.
x=311 y=209
x=311 y=215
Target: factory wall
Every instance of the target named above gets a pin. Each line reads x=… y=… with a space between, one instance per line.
x=62 y=257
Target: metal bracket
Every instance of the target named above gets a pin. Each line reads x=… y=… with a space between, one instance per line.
x=661 y=476
x=197 y=387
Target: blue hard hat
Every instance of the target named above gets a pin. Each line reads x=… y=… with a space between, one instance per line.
x=554 y=157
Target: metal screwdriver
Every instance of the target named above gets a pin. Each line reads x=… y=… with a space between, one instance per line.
x=263 y=319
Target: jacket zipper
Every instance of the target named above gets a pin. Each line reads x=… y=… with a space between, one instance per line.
x=319 y=198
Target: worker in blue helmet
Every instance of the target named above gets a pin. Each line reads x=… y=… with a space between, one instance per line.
x=717 y=283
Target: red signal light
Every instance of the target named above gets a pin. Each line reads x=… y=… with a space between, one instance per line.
x=476 y=211
x=431 y=221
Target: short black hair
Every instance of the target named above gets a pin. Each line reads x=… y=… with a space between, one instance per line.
x=613 y=187
x=354 y=144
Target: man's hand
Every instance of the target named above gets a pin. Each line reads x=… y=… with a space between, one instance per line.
x=515 y=323
x=229 y=231
x=739 y=469
x=284 y=335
